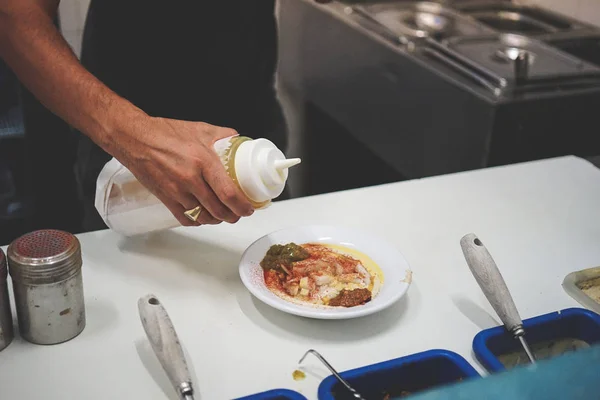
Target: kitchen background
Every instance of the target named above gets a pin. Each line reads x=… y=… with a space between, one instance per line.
x=31 y=195
x=72 y=15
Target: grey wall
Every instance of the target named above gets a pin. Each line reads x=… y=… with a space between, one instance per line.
x=583 y=10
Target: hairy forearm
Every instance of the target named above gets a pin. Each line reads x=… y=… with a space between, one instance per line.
x=38 y=54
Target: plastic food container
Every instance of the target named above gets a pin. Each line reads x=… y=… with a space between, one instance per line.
x=401 y=376
x=548 y=335
x=584 y=287
x=276 y=394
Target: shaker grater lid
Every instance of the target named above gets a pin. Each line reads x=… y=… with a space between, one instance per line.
x=3 y=270
x=44 y=256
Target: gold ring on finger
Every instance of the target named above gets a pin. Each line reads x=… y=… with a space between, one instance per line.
x=193 y=214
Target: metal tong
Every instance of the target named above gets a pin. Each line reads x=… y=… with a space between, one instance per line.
x=494 y=287
x=334 y=372
x=166 y=345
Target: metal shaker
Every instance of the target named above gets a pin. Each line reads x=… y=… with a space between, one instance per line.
x=6 y=321
x=45 y=267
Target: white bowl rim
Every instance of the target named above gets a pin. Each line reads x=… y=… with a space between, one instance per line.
x=395 y=289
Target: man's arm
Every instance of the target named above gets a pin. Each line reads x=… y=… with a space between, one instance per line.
x=45 y=64
x=174 y=159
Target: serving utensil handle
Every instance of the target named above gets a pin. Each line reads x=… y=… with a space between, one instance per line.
x=165 y=343
x=491 y=282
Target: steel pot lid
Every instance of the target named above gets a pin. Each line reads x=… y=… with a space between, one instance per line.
x=495 y=56
x=420 y=19
x=44 y=256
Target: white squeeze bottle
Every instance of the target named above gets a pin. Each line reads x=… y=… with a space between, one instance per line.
x=258 y=167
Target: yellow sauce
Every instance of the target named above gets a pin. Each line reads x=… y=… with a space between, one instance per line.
x=298 y=375
x=367 y=262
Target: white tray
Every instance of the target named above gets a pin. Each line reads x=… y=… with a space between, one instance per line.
x=570 y=285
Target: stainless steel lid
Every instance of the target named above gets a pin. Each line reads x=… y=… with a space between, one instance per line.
x=421 y=19
x=496 y=55
x=44 y=256
x=513 y=22
x=3 y=270
x=508 y=17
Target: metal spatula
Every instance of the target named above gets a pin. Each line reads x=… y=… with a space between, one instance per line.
x=166 y=346
x=492 y=284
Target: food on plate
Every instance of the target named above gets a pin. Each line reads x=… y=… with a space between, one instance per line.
x=350 y=298
x=282 y=256
x=321 y=274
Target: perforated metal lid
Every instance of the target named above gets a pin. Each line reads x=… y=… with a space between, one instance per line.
x=3 y=270
x=44 y=256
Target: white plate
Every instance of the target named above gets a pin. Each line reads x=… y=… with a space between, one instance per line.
x=396 y=271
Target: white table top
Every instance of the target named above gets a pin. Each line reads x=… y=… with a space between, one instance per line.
x=539 y=220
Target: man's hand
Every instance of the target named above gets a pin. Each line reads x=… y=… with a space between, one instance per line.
x=173 y=159
x=176 y=161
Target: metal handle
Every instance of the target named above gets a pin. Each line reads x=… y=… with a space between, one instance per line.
x=521 y=67
x=377 y=25
x=165 y=343
x=355 y=394
x=468 y=73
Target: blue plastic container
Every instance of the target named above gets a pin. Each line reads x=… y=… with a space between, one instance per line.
x=572 y=323
x=276 y=394
x=413 y=373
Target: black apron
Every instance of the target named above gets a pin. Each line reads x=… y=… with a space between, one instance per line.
x=197 y=60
